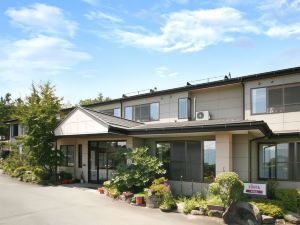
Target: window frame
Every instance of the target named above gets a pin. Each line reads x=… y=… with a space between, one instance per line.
x=258 y=160
x=113 y=111
x=79 y=155
x=283 y=86
x=188 y=108
x=65 y=158
x=185 y=155
x=140 y=105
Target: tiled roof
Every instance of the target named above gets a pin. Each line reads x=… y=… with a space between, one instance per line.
x=112 y=120
x=197 y=123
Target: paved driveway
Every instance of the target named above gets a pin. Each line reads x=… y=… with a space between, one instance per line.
x=27 y=204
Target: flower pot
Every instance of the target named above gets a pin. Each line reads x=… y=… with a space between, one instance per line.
x=139 y=200
x=153 y=201
x=101 y=190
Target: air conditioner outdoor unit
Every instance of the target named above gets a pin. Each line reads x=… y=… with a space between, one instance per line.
x=202 y=115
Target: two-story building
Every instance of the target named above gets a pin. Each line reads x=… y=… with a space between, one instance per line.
x=249 y=125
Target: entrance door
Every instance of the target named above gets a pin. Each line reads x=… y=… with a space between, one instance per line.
x=101 y=164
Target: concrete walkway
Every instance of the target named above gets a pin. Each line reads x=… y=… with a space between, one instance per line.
x=28 y=204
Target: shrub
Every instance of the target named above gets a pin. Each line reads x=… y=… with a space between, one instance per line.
x=270 y=208
x=290 y=198
x=65 y=175
x=271 y=187
x=168 y=202
x=191 y=203
x=228 y=187
x=40 y=174
x=19 y=171
x=144 y=168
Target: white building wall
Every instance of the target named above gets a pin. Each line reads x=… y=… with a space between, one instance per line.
x=278 y=122
x=224 y=102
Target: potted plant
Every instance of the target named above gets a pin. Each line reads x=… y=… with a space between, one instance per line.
x=101 y=190
x=126 y=196
x=156 y=192
x=168 y=203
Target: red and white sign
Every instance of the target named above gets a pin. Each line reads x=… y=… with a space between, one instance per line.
x=255 y=189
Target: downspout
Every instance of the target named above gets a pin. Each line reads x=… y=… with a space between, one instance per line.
x=121 y=106
x=243 y=87
x=194 y=108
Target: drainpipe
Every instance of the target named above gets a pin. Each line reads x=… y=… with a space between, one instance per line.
x=243 y=87
x=194 y=108
x=121 y=106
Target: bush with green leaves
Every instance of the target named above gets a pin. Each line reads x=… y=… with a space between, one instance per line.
x=168 y=202
x=228 y=187
x=270 y=207
x=290 y=198
x=140 y=173
x=191 y=203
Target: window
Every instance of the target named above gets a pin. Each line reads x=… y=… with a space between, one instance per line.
x=184 y=160
x=128 y=113
x=259 y=104
x=154 y=111
x=80 y=156
x=209 y=166
x=276 y=99
x=15 y=130
x=68 y=155
x=274 y=161
x=113 y=112
x=143 y=113
x=163 y=154
x=183 y=108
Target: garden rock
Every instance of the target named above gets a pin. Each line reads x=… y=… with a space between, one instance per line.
x=180 y=207
x=242 y=213
x=268 y=219
x=280 y=222
x=197 y=212
x=293 y=218
x=216 y=213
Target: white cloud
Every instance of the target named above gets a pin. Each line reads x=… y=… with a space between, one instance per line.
x=98 y=15
x=284 y=31
x=165 y=72
x=42 y=19
x=37 y=57
x=190 y=31
x=280 y=4
x=91 y=2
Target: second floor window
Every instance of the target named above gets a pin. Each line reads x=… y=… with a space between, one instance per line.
x=114 y=112
x=184 y=108
x=143 y=113
x=276 y=99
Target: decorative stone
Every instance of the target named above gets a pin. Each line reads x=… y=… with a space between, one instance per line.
x=216 y=213
x=242 y=213
x=197 y=212
x=293 y=218
x=280 y=222
x=267 y=219
x=180 y=207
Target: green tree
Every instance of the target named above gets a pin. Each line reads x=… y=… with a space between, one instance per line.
x=6 y=111
x=99 y=98
x=139 y=173
x=38 y=115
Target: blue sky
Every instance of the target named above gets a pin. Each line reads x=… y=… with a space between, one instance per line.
x=89 y=46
